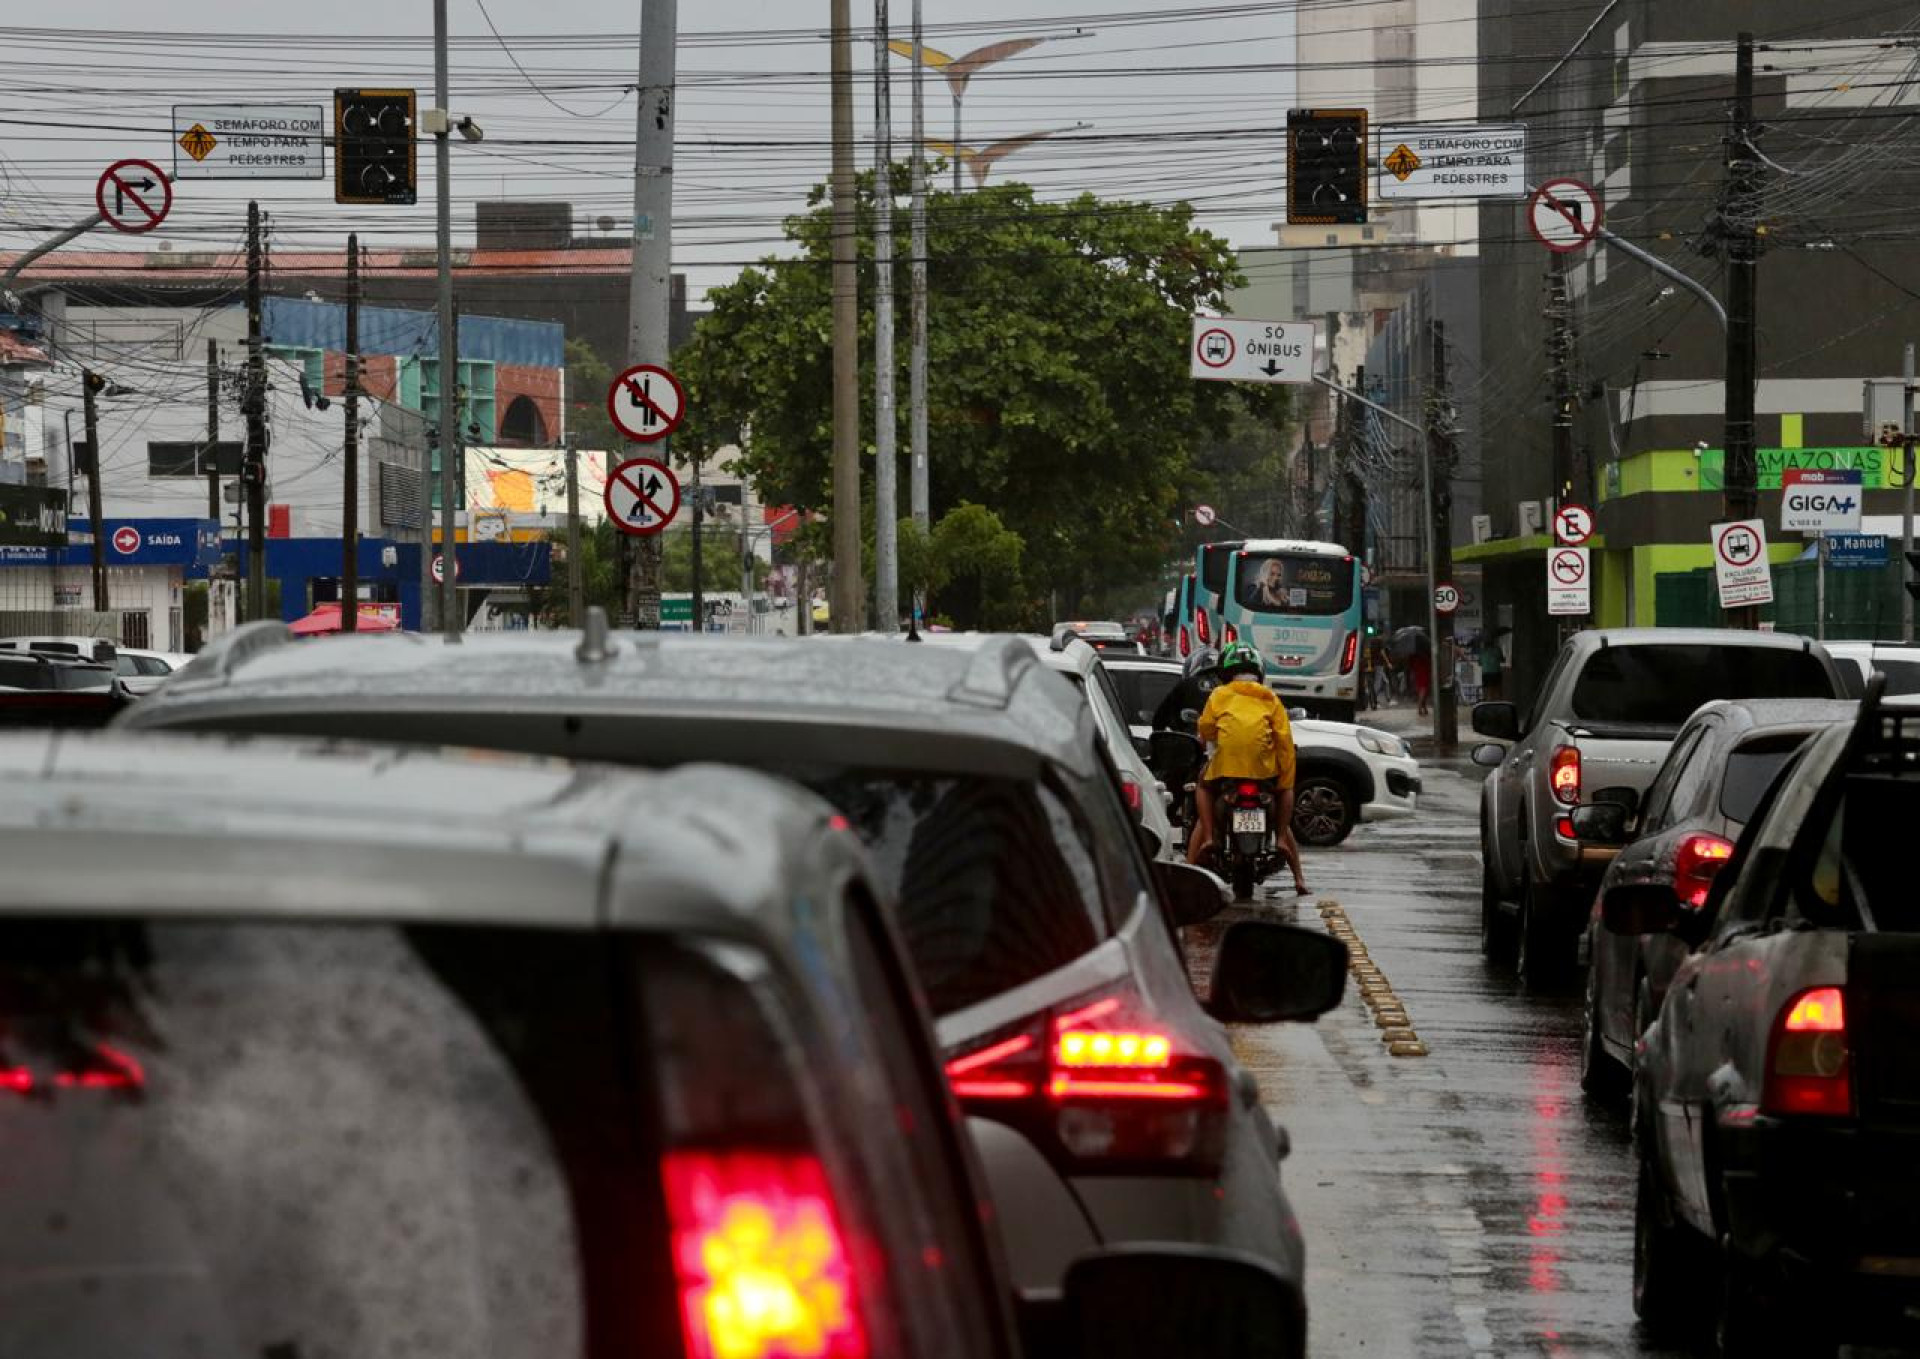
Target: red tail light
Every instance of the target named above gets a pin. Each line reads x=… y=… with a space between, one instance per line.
x=1349 y=652
x=1202 y=627
x=1186 y=642
x=762 y=1266
x=1131 y=790
x=1116 y=1091
x=1229 y=635
x=1808 y=1071
x=1563 y=827
x=1249 y=792
x=1695 y=865
x=1564 y=773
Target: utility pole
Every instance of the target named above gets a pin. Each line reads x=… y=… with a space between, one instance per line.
x=576 y=582
x=1738 y=208
x=254 y=465
x=1440 y=469
x=350 y=495
x=1906 y=514
x=650 y=296
x=1560 y=356
x=699 y=579
x=886 y=465
x=847 y=606
x=212 y=454
x=918 y=490
x=90 y=385
x=449 y=426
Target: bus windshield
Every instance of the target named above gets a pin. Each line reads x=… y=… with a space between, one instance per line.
x=1294 y=583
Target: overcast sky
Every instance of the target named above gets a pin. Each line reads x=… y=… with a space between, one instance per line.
x=1169 y=91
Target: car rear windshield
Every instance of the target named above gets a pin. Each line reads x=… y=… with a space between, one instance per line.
x=1903 y=677
x=1292 y=583
x=1143 y=691
x=994 y=883
x=234 y=1139
x=1659 y=684
x=1751 y=769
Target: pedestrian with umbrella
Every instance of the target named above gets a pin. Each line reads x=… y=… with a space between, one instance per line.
x=1416 y=648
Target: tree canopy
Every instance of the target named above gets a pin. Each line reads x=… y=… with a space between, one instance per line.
x=1059 y=400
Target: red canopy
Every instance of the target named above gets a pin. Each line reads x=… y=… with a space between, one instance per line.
x=325 y=618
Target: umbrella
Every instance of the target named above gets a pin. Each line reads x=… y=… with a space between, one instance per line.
x=1410 y=642
x=325 y=618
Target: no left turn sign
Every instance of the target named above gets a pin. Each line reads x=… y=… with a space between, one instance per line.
x=1564 y=214
x=133 y=196
x=1572 y=525
x=1203 y=515
x=646 y=402
x=642 y=496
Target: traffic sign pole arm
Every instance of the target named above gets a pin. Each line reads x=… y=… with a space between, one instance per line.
x=52 y=243
x=1374 y=406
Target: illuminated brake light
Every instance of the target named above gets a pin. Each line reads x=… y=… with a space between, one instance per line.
x=1068 y=1087
x=1186 y=642
x=973 y=1077
x=1080 y=1048
x=1563 y=827
x=761 y=1263
x=1808 y=1071
x=1230 y=634
x=1130 y=789
x=1696 y=863
x=1249 y=790
x=1564 y=774
x=1202 y=627
x=1349 y=652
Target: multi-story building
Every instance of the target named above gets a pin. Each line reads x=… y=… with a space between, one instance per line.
x=1633 y=98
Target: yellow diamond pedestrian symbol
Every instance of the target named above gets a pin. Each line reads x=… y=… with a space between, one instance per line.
x=197 y=142
x=1403 y=162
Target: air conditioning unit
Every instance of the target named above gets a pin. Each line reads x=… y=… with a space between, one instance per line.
x=1531 y=518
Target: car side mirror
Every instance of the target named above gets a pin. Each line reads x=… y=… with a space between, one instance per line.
x=1601 y=823
x=1173 y=755
x=1498 y=719
x=1488 y=755
x=1266 y=972
x=1640 y=908
x=1150 y=1301
x=1193 y=895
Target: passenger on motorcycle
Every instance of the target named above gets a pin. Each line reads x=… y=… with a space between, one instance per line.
x=1252 y=741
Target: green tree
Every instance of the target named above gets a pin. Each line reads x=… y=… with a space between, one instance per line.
x=597 y=570
x=588 y=377
x=720 y=553
x=977 y=560
x=1058 y=389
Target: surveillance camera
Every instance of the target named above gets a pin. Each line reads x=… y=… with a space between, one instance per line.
x=470 y=130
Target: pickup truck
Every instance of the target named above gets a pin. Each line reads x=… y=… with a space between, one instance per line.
x=1600 y=724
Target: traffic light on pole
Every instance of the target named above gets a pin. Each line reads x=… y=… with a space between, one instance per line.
x=374 y=151
x=1326 y=167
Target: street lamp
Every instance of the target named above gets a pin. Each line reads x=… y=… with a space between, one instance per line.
x=982 y=161
x=960 y=70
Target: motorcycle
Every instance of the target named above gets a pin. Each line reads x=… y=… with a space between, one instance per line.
x=1245 y=839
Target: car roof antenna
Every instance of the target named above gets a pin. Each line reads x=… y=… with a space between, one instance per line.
x=594 y=646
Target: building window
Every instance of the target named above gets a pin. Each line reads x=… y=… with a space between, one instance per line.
x=179 y=459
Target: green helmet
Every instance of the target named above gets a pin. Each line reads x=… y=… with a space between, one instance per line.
x=1238 y=656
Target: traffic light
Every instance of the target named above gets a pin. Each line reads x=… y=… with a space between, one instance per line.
x=1913 y=564
x=374 y=152
x=1326 y=167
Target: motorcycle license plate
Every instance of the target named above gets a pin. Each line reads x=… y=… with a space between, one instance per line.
x=1250 y=822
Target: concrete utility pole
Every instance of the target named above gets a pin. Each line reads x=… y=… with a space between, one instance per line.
x=650 y=300
x=212 y=454
x=90 y=385
x=699 y=582
x=1738 y=206
x=1906 y=513
x=576 y=582
x=1560 y=357
x=1439 y=470
x=254 y=465
x=449 y=428
x=918 y=491
x=886 y=466
x=847 y=605
x=350 y=474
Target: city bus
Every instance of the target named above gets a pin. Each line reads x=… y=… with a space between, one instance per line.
x=1301 y=604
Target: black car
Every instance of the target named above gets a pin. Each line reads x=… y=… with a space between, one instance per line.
x=1679 y=836
x=1106 y=1103
x=1777 y=1092
x=39 y=690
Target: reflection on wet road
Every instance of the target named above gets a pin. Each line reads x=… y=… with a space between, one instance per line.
x=1472 y=1201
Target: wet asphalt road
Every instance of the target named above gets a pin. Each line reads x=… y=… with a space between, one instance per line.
x=1472 y=1201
